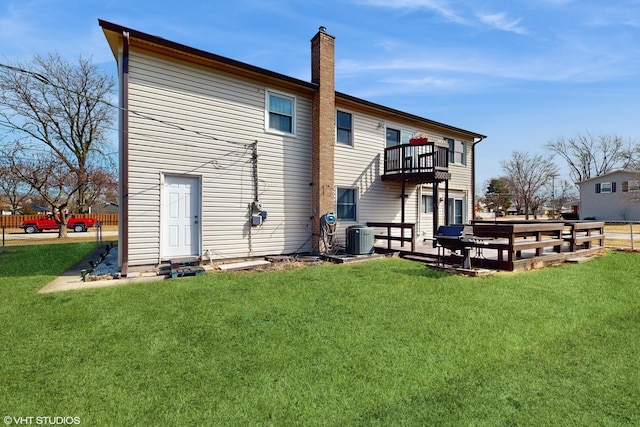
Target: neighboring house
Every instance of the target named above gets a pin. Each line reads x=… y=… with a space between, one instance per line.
x=41 y=209
x=104 y=208
x=614 y=196
x=225 y=160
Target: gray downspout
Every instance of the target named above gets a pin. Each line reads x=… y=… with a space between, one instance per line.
x=473 y=177
x=473 y=181
x=123 y=246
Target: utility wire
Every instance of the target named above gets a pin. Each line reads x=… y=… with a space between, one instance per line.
x=45 y=80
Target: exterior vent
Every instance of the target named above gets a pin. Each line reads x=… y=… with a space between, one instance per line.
x=359 y=240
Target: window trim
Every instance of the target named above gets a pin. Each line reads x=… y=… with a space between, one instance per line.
x=452 y=153
x=404 y=135
x=355 y=203
x=267 y=112
x=611 y=187
x=424 y=207
x=350 y=143
x=452 y=209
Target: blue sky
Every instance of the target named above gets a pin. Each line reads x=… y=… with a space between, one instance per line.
x=522 y=72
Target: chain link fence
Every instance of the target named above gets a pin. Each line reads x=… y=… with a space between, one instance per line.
x=623 y=235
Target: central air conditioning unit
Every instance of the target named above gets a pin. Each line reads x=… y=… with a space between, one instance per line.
x=359 y=240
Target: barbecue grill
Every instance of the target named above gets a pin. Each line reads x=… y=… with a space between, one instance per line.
x=455 y=238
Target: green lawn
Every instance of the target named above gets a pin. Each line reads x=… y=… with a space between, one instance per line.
x=385 y=342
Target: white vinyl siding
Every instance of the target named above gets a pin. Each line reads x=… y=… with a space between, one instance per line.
x=380 y=201
x=460 y=182
x=361 y=167
x=221 y=116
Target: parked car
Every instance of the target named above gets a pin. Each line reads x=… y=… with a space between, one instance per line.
x=49 y=223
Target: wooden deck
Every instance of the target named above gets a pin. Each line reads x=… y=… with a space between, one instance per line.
x=515 y=246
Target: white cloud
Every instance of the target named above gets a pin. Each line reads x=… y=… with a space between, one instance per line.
x=424 y=83
x=500 y=21
x=439 y=6
x=417 y=69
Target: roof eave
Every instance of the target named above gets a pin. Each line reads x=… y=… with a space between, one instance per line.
x=228 y=63
x=114 y=31
x=408 y=116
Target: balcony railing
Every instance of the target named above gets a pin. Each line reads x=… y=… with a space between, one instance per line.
x=422 y=162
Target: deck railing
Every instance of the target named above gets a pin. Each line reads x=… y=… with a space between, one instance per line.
x=416 y=159
x=389 y=237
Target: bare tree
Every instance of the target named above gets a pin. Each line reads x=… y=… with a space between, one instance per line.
x=51 y=179
x=12 y=186
x=60 y=114
x=561 y=193
x=497 y=195
x=103 y=185
x=589 y=156
x=526 y=176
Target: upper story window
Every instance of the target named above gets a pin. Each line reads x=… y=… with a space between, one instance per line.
x=281 y=112
x=630 y=185
x=397 y=137
x=393 y=137
x=457 y=151
x=344 y=128
x=606 y=187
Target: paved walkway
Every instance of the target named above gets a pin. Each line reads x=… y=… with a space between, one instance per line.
x=72 y=279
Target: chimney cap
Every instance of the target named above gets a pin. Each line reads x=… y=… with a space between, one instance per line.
x=322 y=29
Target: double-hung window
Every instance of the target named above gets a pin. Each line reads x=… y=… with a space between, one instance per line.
x=457 y=152
x=344 y=128
x=427 y=204
x=630 y=185
x=346 y=203
x=281 y=112
x=606 y=187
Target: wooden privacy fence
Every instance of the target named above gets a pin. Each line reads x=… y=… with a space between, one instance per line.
x=14 y=221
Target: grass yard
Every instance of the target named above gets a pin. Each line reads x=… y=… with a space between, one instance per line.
x=384 y=342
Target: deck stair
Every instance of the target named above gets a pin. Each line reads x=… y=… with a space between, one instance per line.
x=182 y=267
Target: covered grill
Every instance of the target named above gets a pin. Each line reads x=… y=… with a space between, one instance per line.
x=455 y=238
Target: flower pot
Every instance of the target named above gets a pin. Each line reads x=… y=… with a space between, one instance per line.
x=418 y=141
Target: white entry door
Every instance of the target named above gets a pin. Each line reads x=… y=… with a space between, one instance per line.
x=181 y=216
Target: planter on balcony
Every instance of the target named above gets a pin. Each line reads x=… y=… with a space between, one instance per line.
x=419 y=141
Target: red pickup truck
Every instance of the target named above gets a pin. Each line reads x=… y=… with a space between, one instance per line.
x=48 y=223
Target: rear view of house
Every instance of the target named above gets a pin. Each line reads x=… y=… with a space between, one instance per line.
x=223 y=160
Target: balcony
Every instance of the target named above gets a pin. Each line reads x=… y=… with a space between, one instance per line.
x=416 y=163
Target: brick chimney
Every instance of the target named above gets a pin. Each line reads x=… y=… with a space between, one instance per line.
x=323 y=130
